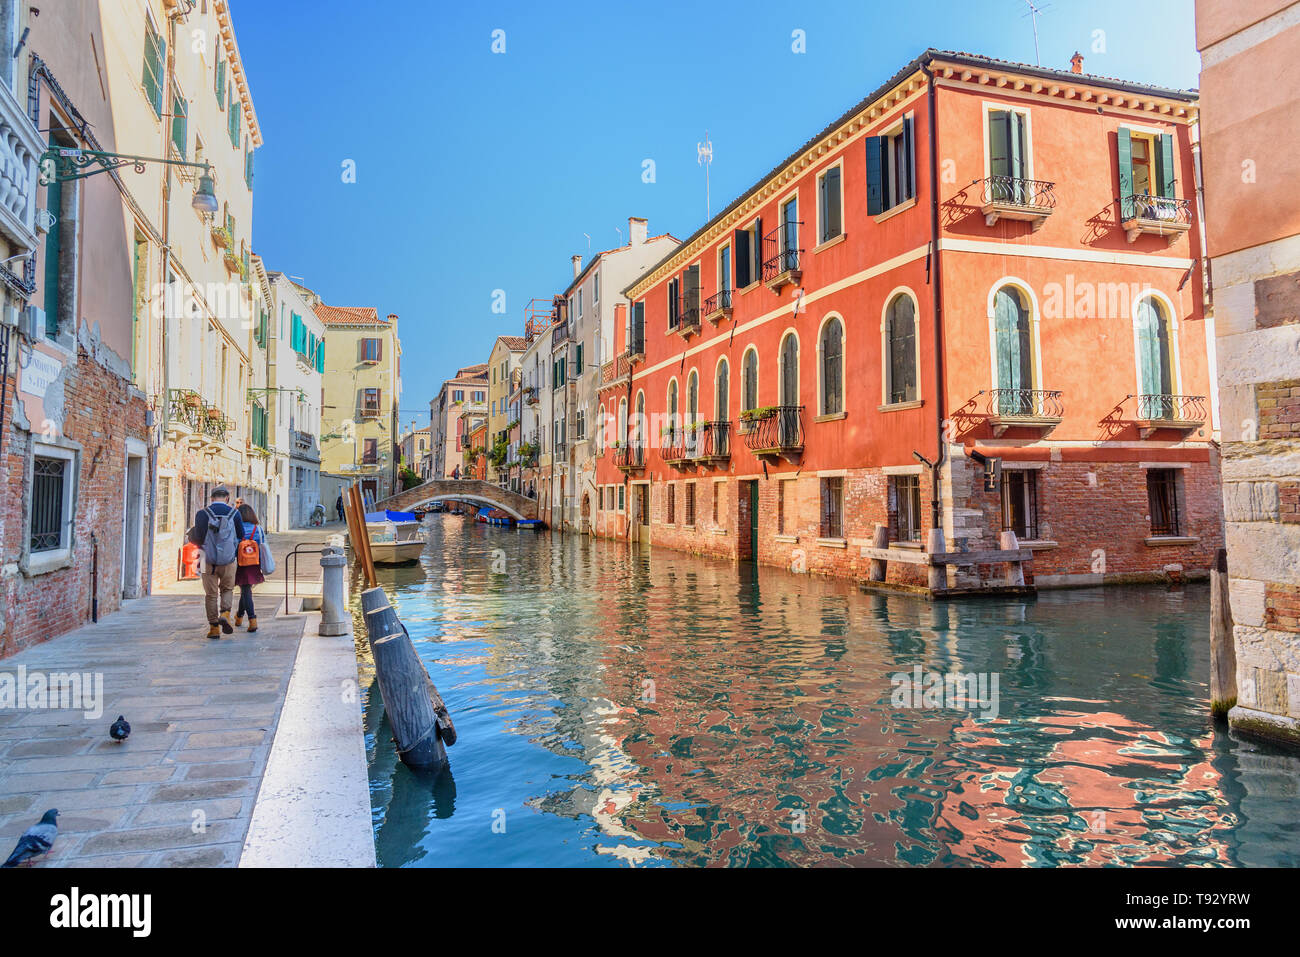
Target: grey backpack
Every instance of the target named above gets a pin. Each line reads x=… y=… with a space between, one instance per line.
x=220 y=541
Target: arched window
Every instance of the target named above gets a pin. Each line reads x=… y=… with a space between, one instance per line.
x=1155 y=359
x=749 y=380
x=693 y=396
x=672 y=410
x=900 y=334
x=1015 y=361
x=721 y=393
x=832 y=360
x=622 y=422
x=639 y=425
x=790 y=370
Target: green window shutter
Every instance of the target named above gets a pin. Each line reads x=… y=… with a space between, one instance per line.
x=320 y=357
x=740 y=243
x=234 y=118
x=53 y=203
x=1165 y=167
x=180 y=114
x=221 y=83
x=999 y=143
x=248 y=166
x=1153 y=351
x=1124 y=149
x=1012 y=329
x=758 y=249
x=1019 y=152
x=578 y=361
x=154 y=47
x=875 y=181
x=909 y=173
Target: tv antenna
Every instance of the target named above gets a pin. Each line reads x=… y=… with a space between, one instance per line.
x=1033 y=13
x=704 y=156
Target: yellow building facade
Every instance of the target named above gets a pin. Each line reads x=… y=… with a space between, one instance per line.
x=362 y=385
x=507 y=352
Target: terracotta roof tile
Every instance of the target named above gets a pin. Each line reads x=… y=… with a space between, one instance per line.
x=349 y=315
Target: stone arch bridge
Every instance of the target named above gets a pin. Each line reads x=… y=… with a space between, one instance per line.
x=462 y=490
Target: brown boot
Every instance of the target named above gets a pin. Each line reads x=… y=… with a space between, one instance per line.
x=239 y=620
x=225 y=623
x=252 y=625
x=214 y=631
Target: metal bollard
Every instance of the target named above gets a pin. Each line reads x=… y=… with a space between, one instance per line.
x=334 y=619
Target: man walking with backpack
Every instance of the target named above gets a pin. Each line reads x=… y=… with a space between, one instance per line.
x=217 y=530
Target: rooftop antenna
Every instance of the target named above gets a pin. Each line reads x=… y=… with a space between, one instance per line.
x=704 y=156
x=1033 y=15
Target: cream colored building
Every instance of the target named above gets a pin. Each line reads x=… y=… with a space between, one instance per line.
x=502 y=364
x=362 y=393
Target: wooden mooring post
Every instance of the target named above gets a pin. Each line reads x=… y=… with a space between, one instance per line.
x=1223 y=651
x=422 y=727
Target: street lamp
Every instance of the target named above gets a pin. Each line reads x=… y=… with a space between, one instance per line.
x=61 y=164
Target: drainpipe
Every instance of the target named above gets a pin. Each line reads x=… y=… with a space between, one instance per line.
x=1207 y=282
x=936 y=294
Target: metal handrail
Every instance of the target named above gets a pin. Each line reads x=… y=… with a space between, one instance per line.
x=629 y=457
x=1016 y=191
x=715 y=440
x=293 y=557
x=719 y=300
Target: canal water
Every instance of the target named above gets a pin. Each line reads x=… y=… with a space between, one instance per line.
x=624 y=707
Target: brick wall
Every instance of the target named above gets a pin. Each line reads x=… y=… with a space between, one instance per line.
x=101 y=410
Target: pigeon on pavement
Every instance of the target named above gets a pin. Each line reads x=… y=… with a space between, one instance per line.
x=37 y=839
x=120 y=730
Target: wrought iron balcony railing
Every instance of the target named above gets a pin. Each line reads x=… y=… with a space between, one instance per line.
x=1174 y=409
x=1036 y=194
x=1156 y=209
x=629 y=458
x=688 y=315
x=780 y=256
x=1025 y=403
x=714 y=442
x=774 y=430
x=718 y=306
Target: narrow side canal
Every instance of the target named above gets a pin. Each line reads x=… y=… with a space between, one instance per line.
x=624 y=707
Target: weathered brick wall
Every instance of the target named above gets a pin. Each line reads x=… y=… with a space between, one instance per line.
x=101 y=410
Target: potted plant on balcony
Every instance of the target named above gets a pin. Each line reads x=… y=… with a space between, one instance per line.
x=191 y=400
x=221 y=237
x=231 y=260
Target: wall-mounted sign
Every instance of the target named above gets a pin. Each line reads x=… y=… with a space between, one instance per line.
x=37 y=372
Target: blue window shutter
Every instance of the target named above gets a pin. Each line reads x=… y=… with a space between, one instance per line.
x=875 y=184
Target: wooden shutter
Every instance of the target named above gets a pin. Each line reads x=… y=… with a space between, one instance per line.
x=53 y=202
x=875 y=184
x=999 y=143
x=691 y=282
x=830 y=200
x=1124 y=153
x=1019 y=156
x=741 y=255
x=638 y=327
x=757 y=250
x=221 y=82
x=180 y=111
x=1165 y=165
x=908 y=173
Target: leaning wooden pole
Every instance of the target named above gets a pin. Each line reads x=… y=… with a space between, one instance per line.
x=1223 y=652
x=422 y=727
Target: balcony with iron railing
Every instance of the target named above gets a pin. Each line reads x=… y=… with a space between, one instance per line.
x=774 y=431
x=1013 y=197
x=1037 y=409
x=718 y=306
x=195 y=419
x=629 y=458
x=679 y=446
x=1142 y=213
x=686 y=322
x=21 y=148
x=782 y=261
x=1156 y=411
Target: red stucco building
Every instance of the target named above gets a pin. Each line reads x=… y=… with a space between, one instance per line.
x=980 y=257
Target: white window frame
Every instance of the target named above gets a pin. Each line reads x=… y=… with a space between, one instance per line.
x=838 y=164
x=39 y=563
x=1035 y=314
x=916 y=341
x=988 y=107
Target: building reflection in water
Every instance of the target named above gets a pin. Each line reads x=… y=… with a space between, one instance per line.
x=624 y=706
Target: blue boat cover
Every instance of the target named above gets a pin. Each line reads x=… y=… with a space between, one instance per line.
x=390 y=516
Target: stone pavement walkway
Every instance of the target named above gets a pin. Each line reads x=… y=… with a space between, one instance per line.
x=203 y=714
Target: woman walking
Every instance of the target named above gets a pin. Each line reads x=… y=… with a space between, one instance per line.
x=249 y=572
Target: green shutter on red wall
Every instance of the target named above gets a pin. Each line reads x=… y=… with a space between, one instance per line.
x=1124 y=153
x=1165 y=165
x=875 y=185
x=741 y=257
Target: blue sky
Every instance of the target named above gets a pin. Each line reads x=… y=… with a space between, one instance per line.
x=478 y=171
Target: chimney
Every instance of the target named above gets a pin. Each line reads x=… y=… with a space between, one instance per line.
x=392 y=317
x=636 y=230
x=1076 y=62
x=577 y=266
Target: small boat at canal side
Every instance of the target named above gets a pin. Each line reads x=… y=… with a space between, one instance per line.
x=396 y=538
